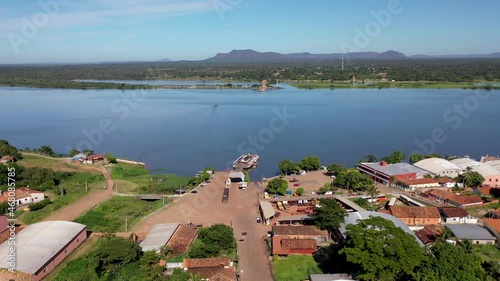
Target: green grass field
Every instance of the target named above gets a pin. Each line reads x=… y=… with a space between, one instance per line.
x=381 y=85
x=487 y=252
x=136 y=179
x=110 y=215
x=56 y=164
x=295 y=268
x=74 y=187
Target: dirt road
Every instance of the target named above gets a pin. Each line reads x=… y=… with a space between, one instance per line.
x=72 y=211
x=206 y=207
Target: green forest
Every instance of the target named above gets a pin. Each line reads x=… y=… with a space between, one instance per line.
x=408 y=70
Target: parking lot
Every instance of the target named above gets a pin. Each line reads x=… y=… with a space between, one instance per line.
x=206 y=207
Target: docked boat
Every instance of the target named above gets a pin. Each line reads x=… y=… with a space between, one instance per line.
x=246 y=161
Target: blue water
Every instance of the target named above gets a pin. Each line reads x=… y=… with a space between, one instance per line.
x=182 y=131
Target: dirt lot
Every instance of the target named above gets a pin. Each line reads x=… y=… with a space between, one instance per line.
x=206 y=207
x=311 y=181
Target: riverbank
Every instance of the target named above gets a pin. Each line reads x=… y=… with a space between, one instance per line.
x=400 y=84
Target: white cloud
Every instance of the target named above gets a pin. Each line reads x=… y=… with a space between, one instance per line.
x=103 y=11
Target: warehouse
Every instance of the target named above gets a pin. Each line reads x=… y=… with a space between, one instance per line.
x=491 y=175
x=440 y=167
x=384 y=173
x=39 y=248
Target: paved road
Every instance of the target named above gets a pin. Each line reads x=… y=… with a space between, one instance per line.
x=206 y=207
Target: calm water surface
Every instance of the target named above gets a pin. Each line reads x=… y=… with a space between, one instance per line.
x=182 y=131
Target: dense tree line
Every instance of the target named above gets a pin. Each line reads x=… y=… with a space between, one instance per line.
x=434 y=70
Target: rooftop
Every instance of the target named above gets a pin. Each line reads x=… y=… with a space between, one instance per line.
x=430 y=233
x=353 y=217
x=205 y=263
x=414 y=212
x=298 y=230
x=470 y=231
x=482 y=168
x=396 y=169
x=303 y=244
x=437 y=165
x=493 y=224
x=454 y=212
x=331 y=277
x=38 y=243
x=419 y=181
x=267 y=209
x=182 y=239
x=158 y=236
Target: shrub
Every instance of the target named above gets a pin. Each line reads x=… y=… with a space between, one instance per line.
x=39 y=205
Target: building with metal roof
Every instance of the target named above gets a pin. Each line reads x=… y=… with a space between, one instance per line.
x=158 y=236
x=237 y=176
x=267 y=211
x=383 y=173
x=475 y=233
x=440 y=167
x=491 y=175
x=39 y=248
x=352 y=218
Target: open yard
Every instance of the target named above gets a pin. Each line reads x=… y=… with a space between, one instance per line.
x=310 y=182
x=135 y=179
x=74 y=190
x=295 y=268
x=56 y=164
x=483 y=211
x=110 y=216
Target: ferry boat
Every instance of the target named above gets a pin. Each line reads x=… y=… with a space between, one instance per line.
x=246 y=161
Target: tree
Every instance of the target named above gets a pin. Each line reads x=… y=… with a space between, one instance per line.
x=329 y=215
x=47 y=150
x=395 y=157
x=299 y=191
x=379 y=250
x=113 y=252
x=213 y=241
x=336 y=169
x=372 y=192
x=277 y=186
x=288 y=167
x=310 y=163
x=73 y=152
x=7 y=149
x=369 y=158
x=4 y=206
x=111 y=158
x=414 y=158
x=166 y=251
x=471 y=178
x=450 y=262
x=353 y=180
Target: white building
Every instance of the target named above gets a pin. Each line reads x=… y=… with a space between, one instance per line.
x=24 y=196
x=456 y=215
x=440 y=167
x=490 y=174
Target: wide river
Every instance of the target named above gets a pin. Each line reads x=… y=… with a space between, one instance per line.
x=183 y=131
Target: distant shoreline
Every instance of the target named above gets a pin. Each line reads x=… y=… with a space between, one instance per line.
x=399 y=85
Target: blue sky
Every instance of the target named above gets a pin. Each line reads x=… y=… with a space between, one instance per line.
x=113 y=30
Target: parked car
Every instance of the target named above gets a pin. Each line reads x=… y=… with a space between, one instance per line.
x=194 y=191
x=257 y=219
x=296 y=184
x=294 y=180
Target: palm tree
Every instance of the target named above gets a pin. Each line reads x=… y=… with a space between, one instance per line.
x=372 y=192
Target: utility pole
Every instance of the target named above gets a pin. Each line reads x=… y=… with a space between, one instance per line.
x=86 y=185
x=163 y=200
x=126 y=224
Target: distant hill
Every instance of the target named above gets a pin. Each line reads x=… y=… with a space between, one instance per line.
x=251 y=55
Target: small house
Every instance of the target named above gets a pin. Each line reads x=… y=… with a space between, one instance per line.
x=456 y=215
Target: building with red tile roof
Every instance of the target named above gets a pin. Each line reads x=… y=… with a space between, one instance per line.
x=412 y=184
x=290 y=240
x=213 y=269
x=430 y=233
x=412 y=215
x=493 y=225
x=24 y=196
x=451 y=198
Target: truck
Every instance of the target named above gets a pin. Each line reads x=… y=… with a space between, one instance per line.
x=225 y=195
